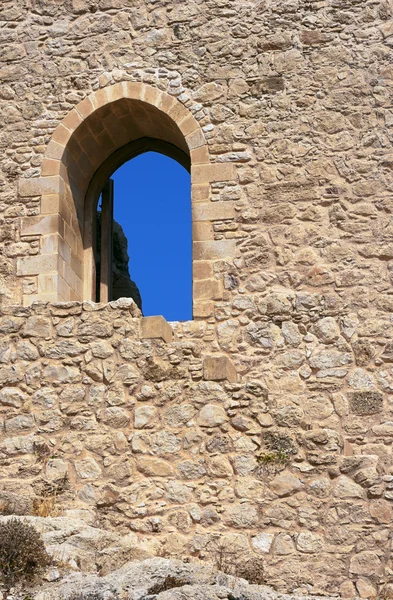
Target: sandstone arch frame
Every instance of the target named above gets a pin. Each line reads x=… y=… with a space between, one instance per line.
x=104 y=125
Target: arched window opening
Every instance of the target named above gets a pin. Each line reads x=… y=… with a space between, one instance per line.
x=143 y=238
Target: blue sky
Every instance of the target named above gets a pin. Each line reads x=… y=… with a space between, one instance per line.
x=152 y=204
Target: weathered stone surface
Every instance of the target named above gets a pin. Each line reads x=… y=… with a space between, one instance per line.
x=156 y=327
x=154 y=467
x=284 y=108
x=114 y=416
x=284 y=485
x=263 y=542
x=12 y=397
x=365 y=563
x=145 y=417
x=309 y=543
x=211 y=415
x=327 y=330
x=218 y=368
x=365 y=402
x=346 y=488
x=87 y=468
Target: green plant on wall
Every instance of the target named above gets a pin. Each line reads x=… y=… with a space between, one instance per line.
x=273 y=462
x=279 y=448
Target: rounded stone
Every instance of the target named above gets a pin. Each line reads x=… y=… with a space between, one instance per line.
x=145 y=417
x=211 y=415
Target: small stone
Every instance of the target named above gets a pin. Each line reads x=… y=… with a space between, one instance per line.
x=154 y=467
x=347 y=590
x=285 y=485
x=52 y=575
x=56 y=469
x=178 y=416
x=145 y=417
x=38 y=327
x=364 y=352
x=381 y=511
x=365 y=402
x=365 y=589
x=283 y=545
x=12 y=397
x=365 y=563
x=263 y=542
x=242 y=516
x=346 y=488
x=114 y=416
x=241 y=423
x=219 y=466
x=211 y=415
x=87 y=468
x=165 y=442
x=20 y=423
x=309 y=543
x=327 y=330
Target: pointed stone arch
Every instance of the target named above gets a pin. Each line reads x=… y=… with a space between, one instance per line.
x=101 y=133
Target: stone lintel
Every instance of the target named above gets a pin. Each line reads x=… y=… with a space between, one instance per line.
x=219 y=368
x=156 y=328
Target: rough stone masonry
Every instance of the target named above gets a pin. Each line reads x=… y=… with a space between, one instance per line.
x=268 y=419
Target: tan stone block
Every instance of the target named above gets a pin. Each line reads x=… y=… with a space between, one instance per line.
x=156 y=327
x=188 y=125
x=220 y=249
x=66 y=213
x=202 y=310
x=77 y=265
x=86 y=107
x=207 y=289
x=132 y=89
x=70 y=239
x=99 y=98
x=115 y=92
x=50 y=204
x=40 y=225
x=154 y=467
x=49 y=244
x=69 y=275
x=202 y=230
x=63 y=289
x=64 y=251
x=178 y=112
x=78 y=288
x=151 y=95
x=61 y=135
x=47 y=283
x=39 y=264
x=213 y=172
x=200 y=155
x=167 y=102
x=213 y=211
x=29 y=299
x=202 y=270
x=54 y=150
x=74 y=297
x=72 y=120
x=40 y=186
x=200 y=193
x=196 y=139
x=50 y=166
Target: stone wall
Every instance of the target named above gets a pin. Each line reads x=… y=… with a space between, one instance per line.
x=289 y=457
x=294 y=95
x=269 y=420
